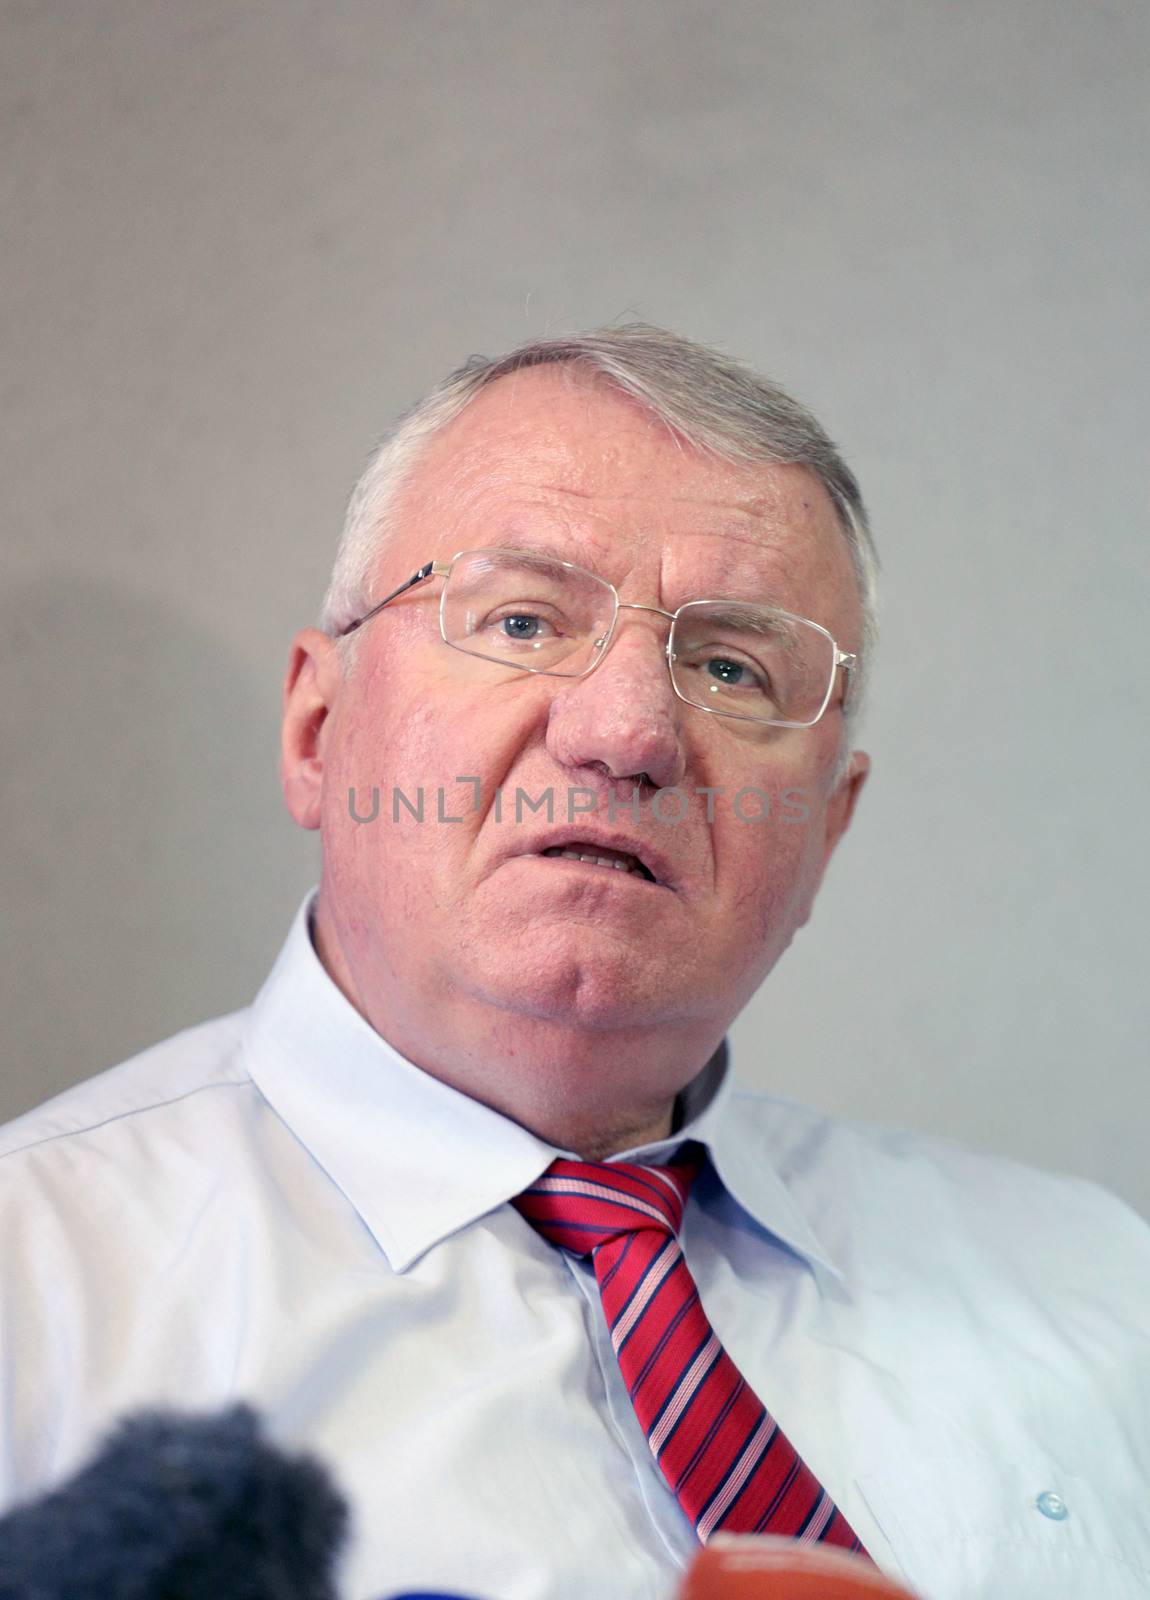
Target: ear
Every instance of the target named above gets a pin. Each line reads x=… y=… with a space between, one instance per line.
x=311 y=687
x=841 y=805
x=836 y=819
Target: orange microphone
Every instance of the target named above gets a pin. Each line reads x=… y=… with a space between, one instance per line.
x=741 y=1567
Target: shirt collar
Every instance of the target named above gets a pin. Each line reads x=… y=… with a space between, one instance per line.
x=711 y=1117
x=419 y=1160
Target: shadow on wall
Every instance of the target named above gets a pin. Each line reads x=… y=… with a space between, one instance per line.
x=149 y=869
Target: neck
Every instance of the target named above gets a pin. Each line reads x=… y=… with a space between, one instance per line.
x=593 y=1092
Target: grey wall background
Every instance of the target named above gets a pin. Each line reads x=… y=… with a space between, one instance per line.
x=241 y=237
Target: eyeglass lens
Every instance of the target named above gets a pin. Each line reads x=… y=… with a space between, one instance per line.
x=534 y=613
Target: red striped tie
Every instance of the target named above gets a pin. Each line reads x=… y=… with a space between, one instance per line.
x=723 y=1454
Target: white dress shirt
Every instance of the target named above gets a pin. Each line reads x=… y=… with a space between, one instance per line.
x=277 y=1206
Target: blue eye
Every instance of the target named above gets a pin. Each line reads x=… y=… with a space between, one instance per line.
x=521 y=626
x=728 y=672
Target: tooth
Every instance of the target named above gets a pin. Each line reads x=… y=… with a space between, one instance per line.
x=591 y=861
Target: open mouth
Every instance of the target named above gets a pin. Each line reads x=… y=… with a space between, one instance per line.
x=595 y=855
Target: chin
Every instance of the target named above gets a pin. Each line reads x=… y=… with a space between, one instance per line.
x=600 y=989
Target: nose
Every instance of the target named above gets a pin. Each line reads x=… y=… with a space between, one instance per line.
x=624 y=715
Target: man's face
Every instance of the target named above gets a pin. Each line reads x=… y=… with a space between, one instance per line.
x=467 y=924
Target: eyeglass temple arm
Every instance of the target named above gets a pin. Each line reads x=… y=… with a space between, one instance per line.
x=429 y=569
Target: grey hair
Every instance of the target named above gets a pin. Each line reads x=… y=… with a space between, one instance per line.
x=706 y=399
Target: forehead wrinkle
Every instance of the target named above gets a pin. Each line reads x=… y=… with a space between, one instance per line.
x=755 y=509
x=754 y=534
x=793 y=512
x=597 y=537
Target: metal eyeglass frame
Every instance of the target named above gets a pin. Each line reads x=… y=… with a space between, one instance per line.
x=442 y=569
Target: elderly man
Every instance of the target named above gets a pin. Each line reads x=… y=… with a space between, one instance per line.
x=467 y=1200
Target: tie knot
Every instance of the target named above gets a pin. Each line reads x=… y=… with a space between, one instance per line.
x=580 y=1205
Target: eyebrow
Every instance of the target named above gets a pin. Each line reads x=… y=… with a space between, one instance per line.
x=529 y=555
x=755 y=618
x=758 y=616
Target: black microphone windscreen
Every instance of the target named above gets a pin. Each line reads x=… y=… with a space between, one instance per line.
x=178 y=1507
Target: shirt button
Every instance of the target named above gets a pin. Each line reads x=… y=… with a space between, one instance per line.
x=1052 y=1505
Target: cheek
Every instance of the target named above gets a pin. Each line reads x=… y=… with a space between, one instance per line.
x=774 y=863
x=376 y=761
x=417 y=746
x=400 y=763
